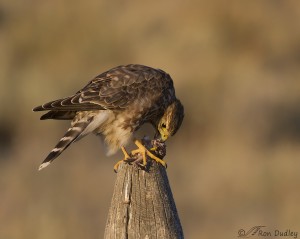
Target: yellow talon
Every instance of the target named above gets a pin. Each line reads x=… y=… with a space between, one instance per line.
x=153 y=149
x=125 y=153
x=141 y=150
x=144 y=151
x=126 y=157
x=116 y=167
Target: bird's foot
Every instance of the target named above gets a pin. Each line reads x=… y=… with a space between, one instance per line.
x=144 y=152
x=154 y=149
x=126 y=159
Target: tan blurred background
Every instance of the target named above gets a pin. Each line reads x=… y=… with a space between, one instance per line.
x=235 y=162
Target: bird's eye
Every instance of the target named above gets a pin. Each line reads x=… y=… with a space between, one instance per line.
x=163 y=125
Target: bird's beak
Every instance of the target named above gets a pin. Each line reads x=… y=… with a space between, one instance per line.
x=163 y=137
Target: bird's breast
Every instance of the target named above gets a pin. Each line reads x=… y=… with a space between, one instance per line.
x=117 y=131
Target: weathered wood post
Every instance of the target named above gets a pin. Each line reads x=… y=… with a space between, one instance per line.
x=142 y=205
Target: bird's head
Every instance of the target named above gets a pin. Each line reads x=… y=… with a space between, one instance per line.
x=171 y=120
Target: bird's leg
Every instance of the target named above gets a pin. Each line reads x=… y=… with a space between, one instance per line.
x=125 y=153
x=145 y=152
x=126 y=158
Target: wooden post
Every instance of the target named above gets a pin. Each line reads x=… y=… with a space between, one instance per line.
x=142 y=205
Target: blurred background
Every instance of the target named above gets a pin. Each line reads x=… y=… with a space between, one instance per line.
x=233 y=165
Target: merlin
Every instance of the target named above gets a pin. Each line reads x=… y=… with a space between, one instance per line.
x=115 y=104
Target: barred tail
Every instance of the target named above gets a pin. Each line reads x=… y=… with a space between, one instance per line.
x=71 y=135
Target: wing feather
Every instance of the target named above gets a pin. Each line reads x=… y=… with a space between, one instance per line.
x=113 y=89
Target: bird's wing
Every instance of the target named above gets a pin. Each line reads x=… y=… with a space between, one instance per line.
x=59 y=115
x=114 y=89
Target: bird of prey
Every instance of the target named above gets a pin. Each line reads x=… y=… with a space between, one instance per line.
x=115 y=104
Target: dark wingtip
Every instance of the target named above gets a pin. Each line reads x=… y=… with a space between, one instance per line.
x=38 y=108
x=46 y=116
x=43 y=117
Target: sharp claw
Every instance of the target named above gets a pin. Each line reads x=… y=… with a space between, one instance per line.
x=127 y=159
x=142 y=159
x=145 y=152
x=116 y=167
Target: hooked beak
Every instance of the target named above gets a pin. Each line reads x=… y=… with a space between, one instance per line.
x=160 y=137
x=163 y=137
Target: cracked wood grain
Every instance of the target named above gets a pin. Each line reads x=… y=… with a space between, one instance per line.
x=142 y=205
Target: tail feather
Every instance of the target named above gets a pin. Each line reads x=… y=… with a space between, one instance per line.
x=71 y=135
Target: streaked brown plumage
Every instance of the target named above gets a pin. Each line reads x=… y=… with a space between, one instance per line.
x=115 y=104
